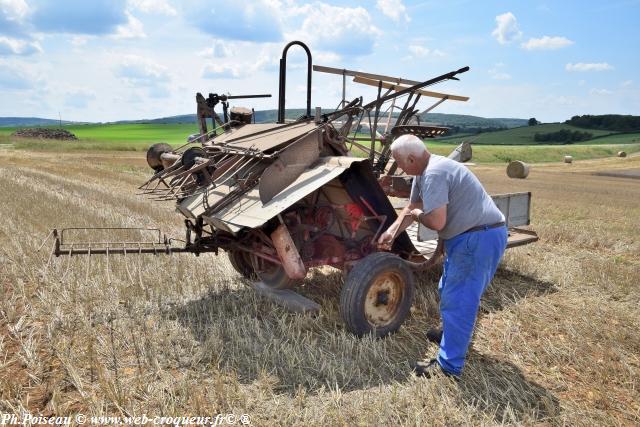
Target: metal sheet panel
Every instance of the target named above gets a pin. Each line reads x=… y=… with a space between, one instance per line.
x=291 y=162
x=269 y=139
x=245 y=130
x=515 y=207
x=248 y=210
x=194 y=206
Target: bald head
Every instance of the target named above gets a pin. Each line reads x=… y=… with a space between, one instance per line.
x=405 y=145
x=410 y=154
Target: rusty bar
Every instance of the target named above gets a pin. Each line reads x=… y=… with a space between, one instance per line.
x=288 y=253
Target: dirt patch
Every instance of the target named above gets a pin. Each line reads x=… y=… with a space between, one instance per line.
x=45 y=133
x=628 y=173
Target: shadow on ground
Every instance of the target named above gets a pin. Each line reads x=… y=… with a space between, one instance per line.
x=509 y=286
x=499 y=387
x=251 y=336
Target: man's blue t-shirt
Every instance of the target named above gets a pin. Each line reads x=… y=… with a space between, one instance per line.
x=447 y=182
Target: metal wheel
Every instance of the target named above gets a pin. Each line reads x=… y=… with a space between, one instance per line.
x=270 y=273
x=377 y=295
x=383 y=299
x=241 y=262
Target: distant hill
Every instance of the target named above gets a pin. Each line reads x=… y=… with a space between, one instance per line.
x=465 y=121
x=262 y=116
x=183 y=118
x=460 y=121
x=526 y=135
x=31 y=121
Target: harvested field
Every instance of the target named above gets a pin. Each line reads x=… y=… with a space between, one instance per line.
x=557 y=341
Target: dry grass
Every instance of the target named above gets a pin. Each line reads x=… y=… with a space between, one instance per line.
x=557 y=342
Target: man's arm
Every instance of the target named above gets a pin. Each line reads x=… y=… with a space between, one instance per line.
x=403 y=221
x=435 y=220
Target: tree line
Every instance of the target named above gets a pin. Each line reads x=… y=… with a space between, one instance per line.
x=613 y=122
x=564 y=136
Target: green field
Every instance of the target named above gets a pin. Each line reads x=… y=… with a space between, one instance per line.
x=110 y=137
x=525 y=135
x=494 y=147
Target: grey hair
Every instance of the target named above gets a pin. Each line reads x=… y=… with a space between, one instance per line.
x=405 y=145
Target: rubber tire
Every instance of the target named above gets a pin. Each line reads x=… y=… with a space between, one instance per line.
x=276 y=279
x=357 y=284
x=241 y=263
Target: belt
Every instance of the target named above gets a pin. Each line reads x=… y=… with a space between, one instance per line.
x=485 y=227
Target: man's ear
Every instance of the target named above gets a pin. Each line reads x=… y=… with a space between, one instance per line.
x=411 y=158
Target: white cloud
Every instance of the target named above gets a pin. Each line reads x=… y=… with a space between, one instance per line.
x=326 y=57
x=626 y=83
x=267 y=59
x=218 y=49
x=497 y=72
x=224 y=71
x=547 y=43
x=603 y=92
x=79 y=99
x=342 y=30
x=15 y=77
x=11 y=46
x=133 y=29
x=419 y=51
x=394 y=9
x=98 y=17
x=161 y=7
x=79 y=40
x=255 y=21
x=13 y=9
x=581 y=66
x=138 y=71
x=506 y=29
x=13 y=13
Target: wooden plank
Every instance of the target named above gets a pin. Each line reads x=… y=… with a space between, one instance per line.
x=398 y=88
x=519 y=237
x=353 y=73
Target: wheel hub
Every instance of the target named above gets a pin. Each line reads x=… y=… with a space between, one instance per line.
x=383 y=299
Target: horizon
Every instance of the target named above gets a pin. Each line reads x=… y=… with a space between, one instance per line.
x=133 y=59
x=65 y=121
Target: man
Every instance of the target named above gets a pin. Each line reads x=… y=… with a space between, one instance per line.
x=448 y=198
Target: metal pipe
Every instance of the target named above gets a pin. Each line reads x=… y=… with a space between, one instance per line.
x=283 y=79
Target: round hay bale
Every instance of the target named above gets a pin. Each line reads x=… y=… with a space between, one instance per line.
x=517 y=169
x=568 y=159
x=622 y=154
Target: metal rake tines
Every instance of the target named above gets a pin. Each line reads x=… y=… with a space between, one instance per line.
x=216 y=166
x=136 y=240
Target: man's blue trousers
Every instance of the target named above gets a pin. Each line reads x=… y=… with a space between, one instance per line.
x=471 y=260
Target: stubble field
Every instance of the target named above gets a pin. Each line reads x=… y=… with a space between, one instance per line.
x=557 y=341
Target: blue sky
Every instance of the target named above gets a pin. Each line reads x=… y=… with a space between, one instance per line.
x=104 y=60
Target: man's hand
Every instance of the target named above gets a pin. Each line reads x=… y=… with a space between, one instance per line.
x=415 y=214
x=385 y=240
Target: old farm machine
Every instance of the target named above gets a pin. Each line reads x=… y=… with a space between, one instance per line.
x=282 y=198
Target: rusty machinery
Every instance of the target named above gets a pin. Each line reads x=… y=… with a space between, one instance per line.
x=281 y=198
